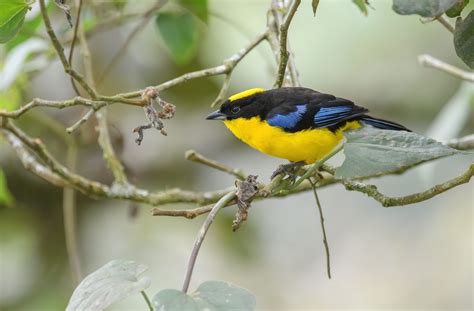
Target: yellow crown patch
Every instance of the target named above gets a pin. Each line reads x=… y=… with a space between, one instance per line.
x=246 y=94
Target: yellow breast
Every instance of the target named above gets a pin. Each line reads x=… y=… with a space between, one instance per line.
x=308 y=145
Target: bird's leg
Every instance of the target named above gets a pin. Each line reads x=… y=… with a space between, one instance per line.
x=288 y=169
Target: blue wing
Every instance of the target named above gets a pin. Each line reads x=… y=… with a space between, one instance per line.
x=327 y=116
x=330 y=111
x=334 y=112
x=288 y=120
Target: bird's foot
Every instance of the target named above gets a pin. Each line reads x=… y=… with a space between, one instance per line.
x=289 y=170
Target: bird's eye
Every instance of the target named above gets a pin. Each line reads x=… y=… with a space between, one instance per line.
x=235 y=109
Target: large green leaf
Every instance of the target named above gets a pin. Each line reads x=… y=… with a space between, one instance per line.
x=198 y=7
x=12 y=16
x=426 y=8
x=110 y=283
x=180 y=33
x=211 y=295
x=464 y=39
x=5 y=196
x=371 y=152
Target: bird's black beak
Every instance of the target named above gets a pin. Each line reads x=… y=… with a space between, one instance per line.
x=216 y=115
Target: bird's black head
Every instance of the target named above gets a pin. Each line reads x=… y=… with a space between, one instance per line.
x=242 y=105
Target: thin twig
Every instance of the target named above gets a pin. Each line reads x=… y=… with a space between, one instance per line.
x=108 y=151
x=36 y=102
x=194 y=156
x=284 y=54
x=60 y=51
x=147 y=15
x=31 y=163
x=201 y=234
x=126 y=98
x=113 y=162
x=226 y=66
x=69 y=215
x=430 y=61
x=445 y=23
x=321 y=218
x=147 y=300
x=73 y=44
x=387 y=201
x=109 y=23
x=82 y=120
x=222 y=96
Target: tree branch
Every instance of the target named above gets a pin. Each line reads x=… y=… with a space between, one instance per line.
x=126 y=98
x=105 y=144
x=284 y=54
x=36 y=102
x=194 y=156
x=73 y=43
x=387 y=201
x=31 y=164
x=60 y=51
x=202 y=233
x=147 y=15
x=226 y=67
x=429 y=61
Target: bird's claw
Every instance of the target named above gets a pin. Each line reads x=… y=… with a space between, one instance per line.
x=287 y=170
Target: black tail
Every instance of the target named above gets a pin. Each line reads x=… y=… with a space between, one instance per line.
x=382 y=124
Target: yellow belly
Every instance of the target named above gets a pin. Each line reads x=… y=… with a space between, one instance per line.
x=308 y=145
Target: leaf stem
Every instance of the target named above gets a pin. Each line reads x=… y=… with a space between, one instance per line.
x=445 y=23
x=147 y=300
x=321 y=218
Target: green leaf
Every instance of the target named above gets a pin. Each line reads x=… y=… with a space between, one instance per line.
x=11 y=98
x=197 y=7
x=173 y=299
x=180 y=34
x=464 y=39
x=27 y=31
x=371 y=152
x=426 y=8
x=5 y=196
x=12 y=16
x=456 y=9
x=315 y=4
x=362 y=5
x=110 y=283
x=211 y=295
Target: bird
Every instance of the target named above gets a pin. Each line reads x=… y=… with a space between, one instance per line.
x=298 y=124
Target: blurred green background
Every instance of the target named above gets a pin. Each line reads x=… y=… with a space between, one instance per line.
x=414 y=257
